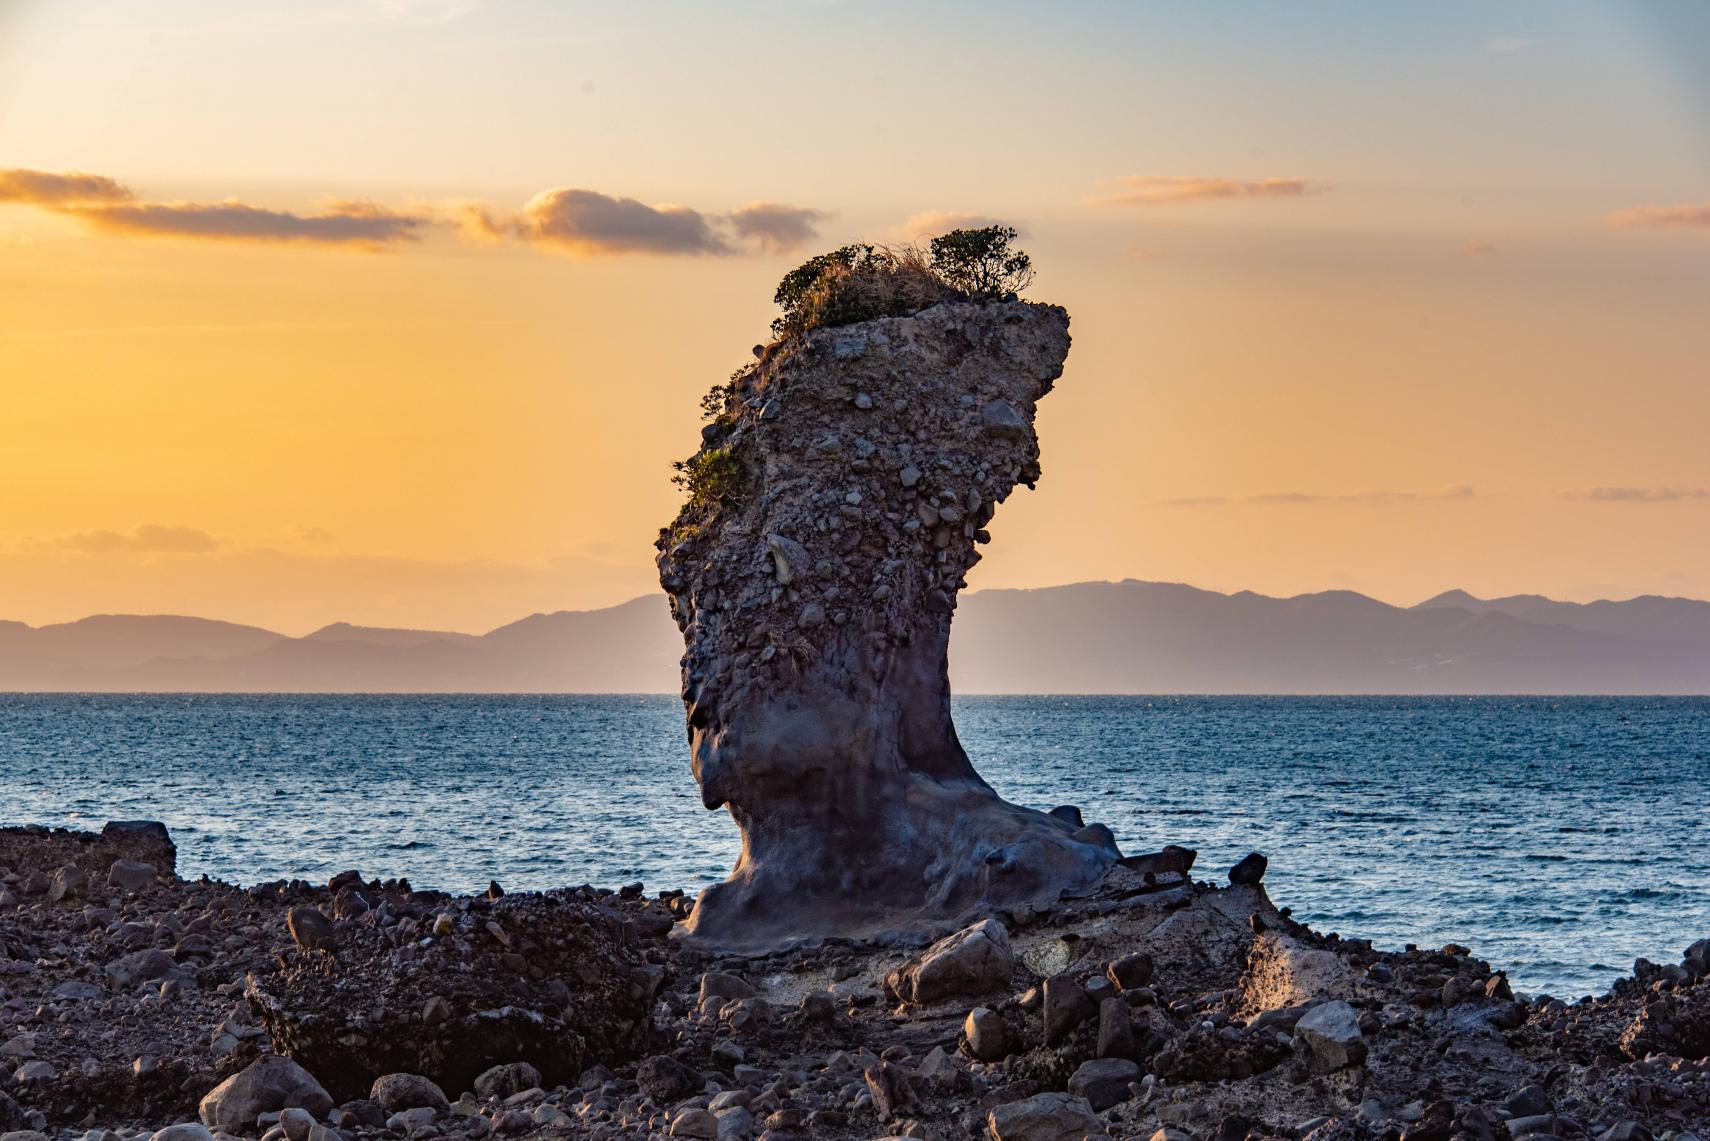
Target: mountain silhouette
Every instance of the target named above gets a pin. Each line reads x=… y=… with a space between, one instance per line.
x=1093 y=637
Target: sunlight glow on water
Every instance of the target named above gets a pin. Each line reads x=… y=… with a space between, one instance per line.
x=1559 y=838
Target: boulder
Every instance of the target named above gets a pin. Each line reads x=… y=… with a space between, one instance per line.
x=503 y=1081
x=986 y=1033
x=1249 y=870
x=311 y=930
x=267 y=1085
x=1329 y=1039
x=67 y=882
x=139 y=967
x=184 y=1131
x=131 y=876
x=665 y=1079
x=975 y=960
x=1104 y=1081
x=1066 y=1006
x=1045 y=1117
x=395 y=1093
x=1115 y=1030
x=1131 y=971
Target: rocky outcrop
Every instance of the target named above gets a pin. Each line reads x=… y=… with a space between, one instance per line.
x=544 y=980
x=836 y=505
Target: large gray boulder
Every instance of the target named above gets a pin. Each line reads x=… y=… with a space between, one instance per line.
x=974 y=961
x=835 y=507
x=1328 y=1037
x=1045 y=1117
x=268 y=1084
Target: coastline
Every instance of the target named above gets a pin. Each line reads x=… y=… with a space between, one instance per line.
x=129 y=996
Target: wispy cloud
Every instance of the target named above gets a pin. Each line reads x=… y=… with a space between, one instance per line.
x=580 y=221
x=148 y=538
x=73 y=188
x=775 y=227
x=590 y=223
x=1295 y=498
x=339 y=223
x=1635 y=494
x=931 y=223
x=1687 y=216
x=1508 y=45
x=1162 y=190
x=1478 y=249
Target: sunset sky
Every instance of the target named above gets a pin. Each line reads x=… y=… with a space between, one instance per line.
x=397 y=311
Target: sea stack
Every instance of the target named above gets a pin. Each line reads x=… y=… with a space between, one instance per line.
x=835 y=506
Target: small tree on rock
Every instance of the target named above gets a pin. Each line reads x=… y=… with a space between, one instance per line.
x=982 y=263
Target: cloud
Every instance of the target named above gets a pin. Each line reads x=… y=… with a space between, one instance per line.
x=1685 y=217
x=1156 y=190
x=73 y=188
x=1508 y=45
x=1478 y=249
x=775 y=227
x=149 y=538
x=1142 y=253
x=1293 y=498
x=1636 y=494
x=580 y=221
x=476 y=222
x=931 y=223
x=340 y=223
x=590 y=223
x=304 y=533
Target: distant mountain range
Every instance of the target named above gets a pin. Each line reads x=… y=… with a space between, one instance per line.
x=1096 y=637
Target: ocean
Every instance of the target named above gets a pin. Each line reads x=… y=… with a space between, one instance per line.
x=1559 y=838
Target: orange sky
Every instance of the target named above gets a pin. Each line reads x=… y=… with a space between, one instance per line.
x=1390 y=300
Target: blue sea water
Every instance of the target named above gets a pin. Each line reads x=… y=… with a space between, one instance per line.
x=1559 y=838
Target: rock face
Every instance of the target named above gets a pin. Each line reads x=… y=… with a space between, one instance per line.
x=813 y=573
x=542 y=980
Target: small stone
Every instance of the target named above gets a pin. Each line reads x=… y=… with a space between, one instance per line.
x=503 y=1081
x=411 y=1121
x=66 y=883
x=398 y=1092
x=695 y=1122
x=909 y=476
x=890 y=1089
x=296 y=1122
x=665 y=1079
x=139 y=967
x=1130 y=972
x=184 y=1131
x=436 y=1010
x=1003 y=420
x=1104 y=1081
x=311 y=930
x=38 y=1071
x=863 y=401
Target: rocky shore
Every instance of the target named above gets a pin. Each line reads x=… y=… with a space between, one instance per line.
x=135 y=1003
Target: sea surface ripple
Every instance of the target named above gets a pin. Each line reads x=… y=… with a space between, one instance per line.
x=1559 y=838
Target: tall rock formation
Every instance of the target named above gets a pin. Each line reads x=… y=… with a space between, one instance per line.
x=835 y=507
